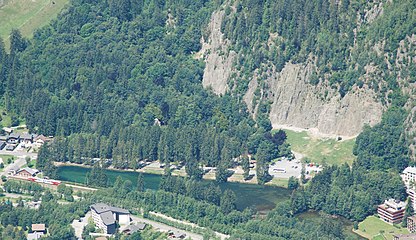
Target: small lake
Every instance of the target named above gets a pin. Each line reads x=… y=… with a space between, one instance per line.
x=261 y=198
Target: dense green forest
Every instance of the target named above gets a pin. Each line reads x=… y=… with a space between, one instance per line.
x=117 y=81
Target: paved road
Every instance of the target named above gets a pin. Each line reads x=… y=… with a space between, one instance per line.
x=220 y=235
x=20 y=153
x=79 y=226
x=165 y=228
x=19 y=162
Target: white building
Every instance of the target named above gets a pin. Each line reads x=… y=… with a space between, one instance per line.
x=409 y=179
x=105 y=217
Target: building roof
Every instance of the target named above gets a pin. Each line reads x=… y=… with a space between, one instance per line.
x=410 y=170
x=31 y=171
x=38 y=227
x=14 y=135
x=2 y=142
x=10 y=147
x=119 y=210
x=34 y=236
x=101 y=238
x=42 y=137
x=394 y=204
x=179 y=235
x=4 y=137
x=413 y=218
x=106 y=212
x=135 y=228
x=8 y=129
x=100 y=207
x=26 y=136
x=107 y=218
x=14 y=168
x=410 y=236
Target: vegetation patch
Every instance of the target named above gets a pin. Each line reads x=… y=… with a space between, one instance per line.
x=27 y=15
x=374 y=228
x=331 y=151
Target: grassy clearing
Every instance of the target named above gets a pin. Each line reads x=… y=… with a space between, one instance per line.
x=280 y=182
x=5 y=119
x=374 y=228
x=27 y=15
x=5 y=157
x=318 y=150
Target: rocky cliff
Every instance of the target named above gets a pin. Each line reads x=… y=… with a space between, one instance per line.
x=300 y=104
x=218 y=58
x=295 y=102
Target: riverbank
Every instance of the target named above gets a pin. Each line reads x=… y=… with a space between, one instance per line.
x=154 y=168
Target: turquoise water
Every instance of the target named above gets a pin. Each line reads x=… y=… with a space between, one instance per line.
x=261 y=198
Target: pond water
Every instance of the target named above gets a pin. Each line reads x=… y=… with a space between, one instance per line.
x=261 y=198
x=347 y=224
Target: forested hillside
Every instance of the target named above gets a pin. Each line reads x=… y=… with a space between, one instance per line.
x=121 y=81
x=116 y=80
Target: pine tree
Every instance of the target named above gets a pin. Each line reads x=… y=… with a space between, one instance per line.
x=140 y=183
x=408 y=212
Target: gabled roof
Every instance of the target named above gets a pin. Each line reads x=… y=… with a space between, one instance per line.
x=34 y=236
x=26 y=136
x=14 y=168
x=41 y=137
x=179 y=235
x=107 y=218
x=14 y=135
x=29 y=170
x=38 y=227
x=135 y=228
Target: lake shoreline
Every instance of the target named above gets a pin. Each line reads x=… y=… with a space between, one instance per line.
x=261 y=198
x=235 y=178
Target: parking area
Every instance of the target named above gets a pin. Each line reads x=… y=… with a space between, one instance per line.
x=286 y=169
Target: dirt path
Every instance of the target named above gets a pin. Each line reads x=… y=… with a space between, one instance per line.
x=313 y=132
x=165 y=228
x=222 y=236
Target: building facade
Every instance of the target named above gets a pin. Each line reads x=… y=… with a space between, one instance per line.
x=411 y=224
x=105 y=217
x=27 y=172
x=409 y=179
x=392 y=211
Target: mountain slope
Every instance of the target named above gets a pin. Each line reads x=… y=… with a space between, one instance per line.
x=334 y=66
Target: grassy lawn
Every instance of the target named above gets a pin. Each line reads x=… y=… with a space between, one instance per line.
x=318 y=150
x=27 y=15
x=374 y=228
x=6 y=120
x=280 y=182
x=5 y=157
x=32 y=164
